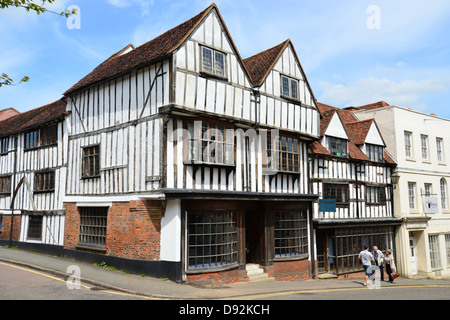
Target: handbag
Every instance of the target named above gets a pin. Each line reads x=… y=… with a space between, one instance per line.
x=395 y=275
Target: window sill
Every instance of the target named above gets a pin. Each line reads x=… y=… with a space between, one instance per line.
x=40 y=147
x=91 y=248
x=90 y=177
x=291 y=258
x=213 y=269
x=212 y=75
x=43 y=191
x=294 y=100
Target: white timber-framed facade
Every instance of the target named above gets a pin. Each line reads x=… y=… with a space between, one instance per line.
x=349 y=165
x=33 y=162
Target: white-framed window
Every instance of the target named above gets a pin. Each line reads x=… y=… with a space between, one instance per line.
x=440 y=149
x=289 y=87
x=443 y=188
x=213 y=62
x=447 y=248
x=424 y=144
x=408 y=144
x=435 y=257
x=412 y=195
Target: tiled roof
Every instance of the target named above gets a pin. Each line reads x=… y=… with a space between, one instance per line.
x=356 y=131
x=154 y=50
x=376 y=105
x=260 y=64
x=33 y=118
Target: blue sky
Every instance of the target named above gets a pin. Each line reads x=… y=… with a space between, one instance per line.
x=404 y=60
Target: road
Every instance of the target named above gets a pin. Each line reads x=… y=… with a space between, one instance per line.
x=20 y=283
x=419 y=292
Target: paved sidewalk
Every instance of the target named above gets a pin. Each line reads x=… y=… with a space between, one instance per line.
x=164 y=289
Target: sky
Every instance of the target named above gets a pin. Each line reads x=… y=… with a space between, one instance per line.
x=353 y=52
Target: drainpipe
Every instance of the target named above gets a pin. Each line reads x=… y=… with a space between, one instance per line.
x=12 y=192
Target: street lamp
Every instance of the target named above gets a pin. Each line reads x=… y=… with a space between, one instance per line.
x=394 y=178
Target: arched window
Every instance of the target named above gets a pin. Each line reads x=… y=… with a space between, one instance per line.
x=443 y=185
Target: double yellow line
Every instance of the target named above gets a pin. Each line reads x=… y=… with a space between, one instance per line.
x=82 y=285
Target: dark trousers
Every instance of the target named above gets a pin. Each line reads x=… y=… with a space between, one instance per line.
x=389 y=272
x=381 y=271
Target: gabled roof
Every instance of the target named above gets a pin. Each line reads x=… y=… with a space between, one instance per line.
x=33 y=118
x=356 y=131
x=154 y=50
x=260 y=65
x=359 y=130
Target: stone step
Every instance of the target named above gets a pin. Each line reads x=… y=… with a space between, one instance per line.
x=256 y=273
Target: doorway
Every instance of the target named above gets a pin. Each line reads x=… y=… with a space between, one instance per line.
x=255 y=236
x=325 y=251
x=413 y=253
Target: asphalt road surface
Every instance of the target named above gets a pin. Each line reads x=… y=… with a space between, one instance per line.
x=20 y=283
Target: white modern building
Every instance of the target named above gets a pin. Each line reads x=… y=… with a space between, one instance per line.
x=421 y=145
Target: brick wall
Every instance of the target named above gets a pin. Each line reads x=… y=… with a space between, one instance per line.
x=133 y=229
x=6 y=228
x=290 y=270
x=220 y=277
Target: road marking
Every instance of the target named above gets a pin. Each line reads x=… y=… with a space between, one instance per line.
x=86 y=287
x=285 y=293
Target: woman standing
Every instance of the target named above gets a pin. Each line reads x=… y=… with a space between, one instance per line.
x=390 y=264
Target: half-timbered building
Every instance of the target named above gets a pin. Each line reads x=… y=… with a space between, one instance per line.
x=185 y=156
x=350 y=166
x=33 y=163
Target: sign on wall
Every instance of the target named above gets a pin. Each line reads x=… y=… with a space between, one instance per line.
x=431 y=204
x=327 y=205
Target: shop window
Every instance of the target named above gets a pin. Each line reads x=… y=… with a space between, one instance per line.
x=212 y=240
x=290 y=234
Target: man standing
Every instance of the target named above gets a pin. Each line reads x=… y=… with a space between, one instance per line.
x=379 y=260
x=367 y=258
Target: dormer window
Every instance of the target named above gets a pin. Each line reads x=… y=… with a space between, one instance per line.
x=374 y=152
x=213 y=62
x=289 y=87
x=337 y=147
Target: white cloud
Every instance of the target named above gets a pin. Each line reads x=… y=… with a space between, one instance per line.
x=407 y=93
x=143 y=5
x=119 y=3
